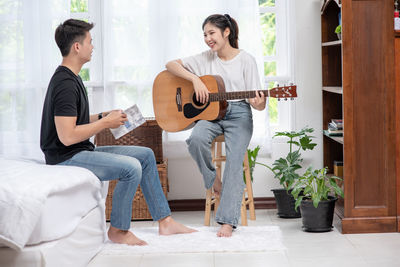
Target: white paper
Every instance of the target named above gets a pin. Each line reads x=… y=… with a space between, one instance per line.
x=135 y=119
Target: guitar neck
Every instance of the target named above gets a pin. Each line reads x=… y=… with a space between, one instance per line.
x=235 y=95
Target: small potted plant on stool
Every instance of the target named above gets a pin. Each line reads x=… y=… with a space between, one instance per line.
x=316 y=193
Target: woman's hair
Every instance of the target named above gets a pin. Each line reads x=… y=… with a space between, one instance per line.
x=222 y=22
x=69 y=32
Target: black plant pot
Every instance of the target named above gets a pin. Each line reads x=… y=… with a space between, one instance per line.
x=318 y=219
x=285 y=204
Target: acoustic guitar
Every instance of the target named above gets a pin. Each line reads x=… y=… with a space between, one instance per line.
x=176 y=108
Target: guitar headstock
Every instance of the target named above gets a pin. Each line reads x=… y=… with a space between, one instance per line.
x=285 y=92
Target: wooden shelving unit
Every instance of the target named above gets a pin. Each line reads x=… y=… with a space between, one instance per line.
x=358 y=85
x=397 y=97
x=331 y=80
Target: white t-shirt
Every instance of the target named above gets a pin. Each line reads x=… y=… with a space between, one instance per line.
x=239 y=74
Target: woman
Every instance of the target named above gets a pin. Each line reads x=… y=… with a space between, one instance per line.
x=238 y=69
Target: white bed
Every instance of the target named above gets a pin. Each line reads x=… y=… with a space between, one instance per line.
x=49 y=215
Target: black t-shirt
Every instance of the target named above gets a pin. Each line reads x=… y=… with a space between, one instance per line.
x=66 y=96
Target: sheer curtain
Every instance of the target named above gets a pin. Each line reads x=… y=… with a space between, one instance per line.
x=137 y=38
x=28 y=58
x=141 y=36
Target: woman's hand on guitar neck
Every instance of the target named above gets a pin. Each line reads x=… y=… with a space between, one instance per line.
x=259 y=101
x=200 y=89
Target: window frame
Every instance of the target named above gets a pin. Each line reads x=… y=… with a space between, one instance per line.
x=284 y=60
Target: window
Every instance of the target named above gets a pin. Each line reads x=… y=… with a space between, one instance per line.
x=111 y=77
x=91 y=72
x=80 y=10
x=274 y=18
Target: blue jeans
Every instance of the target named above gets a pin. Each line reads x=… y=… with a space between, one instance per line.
x=237 y=126
x=131 y=165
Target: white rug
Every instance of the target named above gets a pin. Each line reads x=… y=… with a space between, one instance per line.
x=249 y=238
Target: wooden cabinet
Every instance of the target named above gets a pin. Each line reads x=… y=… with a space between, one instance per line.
x=359 y=86
x=397 y=97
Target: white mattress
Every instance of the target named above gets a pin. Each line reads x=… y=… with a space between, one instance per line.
x=76 y=249
x=62 y=211
x=41 y=203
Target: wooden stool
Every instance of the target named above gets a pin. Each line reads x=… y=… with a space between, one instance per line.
x=218 y=158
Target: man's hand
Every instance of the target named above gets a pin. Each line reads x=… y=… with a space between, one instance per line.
x=258 y=102
x=69 y=133
x=115 y=118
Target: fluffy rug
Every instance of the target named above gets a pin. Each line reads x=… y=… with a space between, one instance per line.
x=250 y=238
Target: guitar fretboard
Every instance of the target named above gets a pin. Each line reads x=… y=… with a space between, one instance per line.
x=234 y=95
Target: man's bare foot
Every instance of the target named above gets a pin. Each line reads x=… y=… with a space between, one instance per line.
x=124 y=237
x=225 y=231
x=168 y=226
x=217 y=186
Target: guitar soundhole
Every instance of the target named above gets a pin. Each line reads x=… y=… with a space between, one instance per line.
x=196 y=103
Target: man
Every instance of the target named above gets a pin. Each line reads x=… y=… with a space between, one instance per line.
x=66 y=129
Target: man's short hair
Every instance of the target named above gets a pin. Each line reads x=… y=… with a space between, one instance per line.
x=69 y=32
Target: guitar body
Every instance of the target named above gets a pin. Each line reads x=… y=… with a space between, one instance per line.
x=175 y=105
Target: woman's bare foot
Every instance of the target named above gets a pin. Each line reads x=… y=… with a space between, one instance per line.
x=217 y=186
x=124 y=237
x=225 y=231
x=168 y=226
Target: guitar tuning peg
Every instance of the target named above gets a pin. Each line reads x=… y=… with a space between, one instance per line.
x=285 y=98
x=292 y=98
x=291 y=84
x=279 y=99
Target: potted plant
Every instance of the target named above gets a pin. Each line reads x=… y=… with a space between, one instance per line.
x=285 y=170
x=338 y=31
x=252 y=156
x=316 y=193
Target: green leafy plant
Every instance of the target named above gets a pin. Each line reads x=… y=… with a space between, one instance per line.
x=315 y=185
x=284 y=169
x=252 y=156
x=338 y=29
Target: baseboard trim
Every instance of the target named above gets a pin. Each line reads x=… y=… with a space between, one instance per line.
x=360 y=225
x=199 y=204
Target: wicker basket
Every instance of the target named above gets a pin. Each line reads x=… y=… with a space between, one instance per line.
x=149 y=134
x=140 y=210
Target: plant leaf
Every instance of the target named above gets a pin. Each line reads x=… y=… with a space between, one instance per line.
x=298 y=202
x=305 y=143
x=336 y=188
x=316 y=199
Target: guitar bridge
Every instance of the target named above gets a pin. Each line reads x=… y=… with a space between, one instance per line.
x=179 y=98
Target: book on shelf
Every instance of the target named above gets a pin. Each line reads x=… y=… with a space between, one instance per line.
x=333 y=132
x=334 y=127
x=337 y=123
x=336 y=132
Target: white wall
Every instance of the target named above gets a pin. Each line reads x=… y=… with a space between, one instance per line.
x=184 y=178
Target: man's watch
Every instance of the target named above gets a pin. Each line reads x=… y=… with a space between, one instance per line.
x=100 y=116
